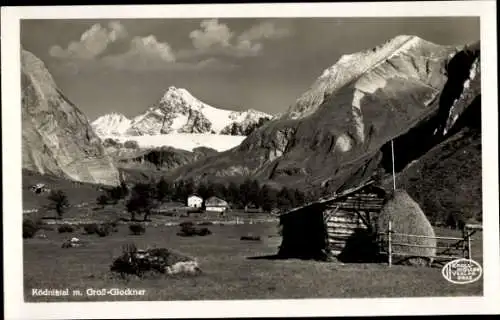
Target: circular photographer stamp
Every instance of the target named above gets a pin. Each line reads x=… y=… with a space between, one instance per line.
x=462 y=271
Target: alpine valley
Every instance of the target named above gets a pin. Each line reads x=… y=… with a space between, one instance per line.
x=422 y=97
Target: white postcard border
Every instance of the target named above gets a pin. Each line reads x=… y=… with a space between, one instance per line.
x=15 y=307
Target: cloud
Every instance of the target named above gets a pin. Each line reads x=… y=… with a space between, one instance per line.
x=264 y=30
x=92 y=43
x=212 y=42
x=143 y=52
x=215 y=38
x=212 y=34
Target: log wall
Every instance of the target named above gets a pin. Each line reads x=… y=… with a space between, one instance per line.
x=346 y=216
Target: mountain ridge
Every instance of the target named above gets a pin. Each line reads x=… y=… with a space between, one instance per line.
x=336 y=135
x=178 y=111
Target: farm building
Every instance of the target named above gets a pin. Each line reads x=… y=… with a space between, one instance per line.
x=194 y=201
x=334 y=226
x=216 y=204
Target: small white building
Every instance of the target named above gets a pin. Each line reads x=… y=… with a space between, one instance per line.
x=194 y=201
x=216 y=204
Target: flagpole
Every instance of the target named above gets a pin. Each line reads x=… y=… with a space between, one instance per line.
x=393 y=169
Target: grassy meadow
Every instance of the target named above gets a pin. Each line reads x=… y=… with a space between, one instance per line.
x=232 y=269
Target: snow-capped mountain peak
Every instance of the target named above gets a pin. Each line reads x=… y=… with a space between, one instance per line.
x=178 y=111
x=111 y=124
x=350 y=67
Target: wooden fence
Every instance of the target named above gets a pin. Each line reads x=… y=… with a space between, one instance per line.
x=451 y=247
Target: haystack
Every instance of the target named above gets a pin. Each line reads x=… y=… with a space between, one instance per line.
x=407 y=217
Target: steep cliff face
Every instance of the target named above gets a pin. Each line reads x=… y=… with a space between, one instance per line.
x=338 y=133
x=57 y=137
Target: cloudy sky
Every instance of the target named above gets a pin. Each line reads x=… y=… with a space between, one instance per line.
x=125 y=65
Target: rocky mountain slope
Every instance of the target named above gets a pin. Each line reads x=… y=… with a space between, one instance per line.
x=338 y=133
x=113 y=124
x=163 y=158
x=57 y=137
x=179 y=112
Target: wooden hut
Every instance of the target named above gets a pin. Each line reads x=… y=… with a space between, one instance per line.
x=332 y=226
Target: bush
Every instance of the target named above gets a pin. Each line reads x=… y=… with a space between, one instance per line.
x=65 y=228
x=186 y=224
x=137 y=229
x=112 y=225
x=130 y=144
x=204 y=232
x=30 y=228
x=189 y=230
x=109 y=142
x=158 y=261
x=250 y=238
x=91 y=228
x=206 y=223
x=103 y=230
x=102 y=200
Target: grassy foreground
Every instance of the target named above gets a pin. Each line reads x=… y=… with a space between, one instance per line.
x=229 y=269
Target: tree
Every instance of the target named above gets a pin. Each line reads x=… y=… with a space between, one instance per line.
x=203 y=190
x=189 y=188
x=244 y=194
x=253 y=192
x=267 y=198
x=220 y=190
x=118 y=192
x=58 y=202
x=140 y=200
x=179 y=191
x=284 y=199
x=233 y=192
x=102 y=200
x=299 y=197
x=163 y=189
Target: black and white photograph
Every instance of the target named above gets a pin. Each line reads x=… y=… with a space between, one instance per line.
x=198 y=153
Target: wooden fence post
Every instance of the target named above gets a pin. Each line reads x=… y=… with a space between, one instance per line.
x=389 y=243
x=469 y=249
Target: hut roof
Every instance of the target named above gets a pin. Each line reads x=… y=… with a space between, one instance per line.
x=327 y=200
x=215 y=202
x=194 y=195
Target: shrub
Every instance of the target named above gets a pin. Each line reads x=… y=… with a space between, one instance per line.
x=250 y=238
x=130 y=144
x=189 y=230
x=112 y=225
x=102 y=200
x=91 y=228
x=30 y=228
x=109 y=142
x=408 y=218
x=103 y=230
x=157 y=261
x=203 y=232
x=206 y=223
x=65 y=228
x=186 y=224
x=137 y=229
